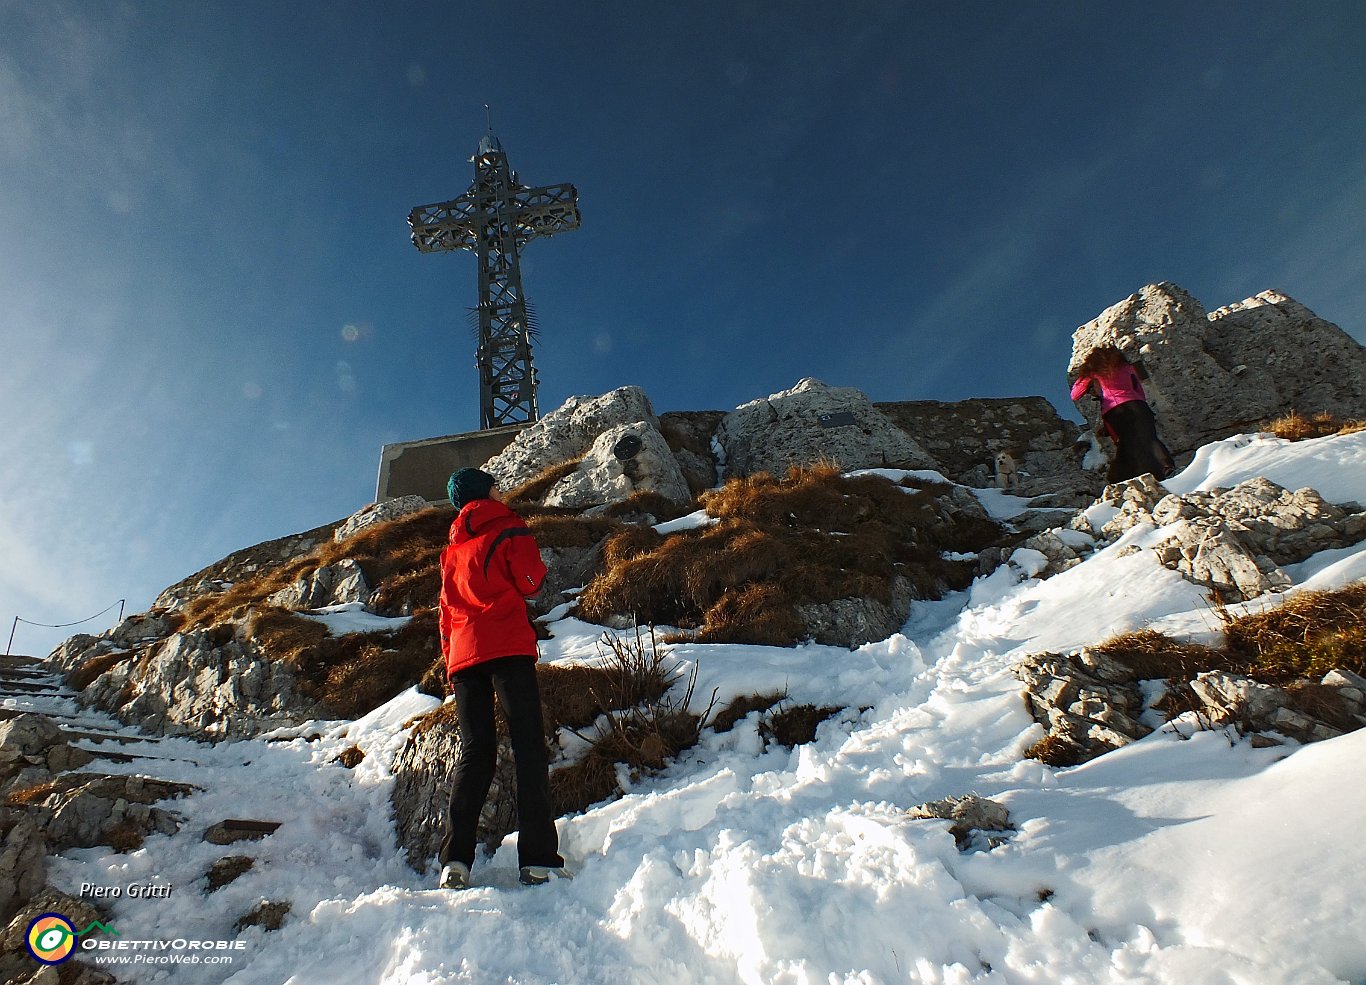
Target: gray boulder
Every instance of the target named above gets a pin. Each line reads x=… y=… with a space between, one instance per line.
x=32 y=745
x=1234 y=541
x=422 y=789
x=196 y=684
x=82 y=810
x=389 y=509
x=622 y=461
x=23 y=866
x=568 y=432
x=854 y=621
x=814 y=422
x=1089 y=704
x=1217 y=374
x=978 y=824
x=334 y=584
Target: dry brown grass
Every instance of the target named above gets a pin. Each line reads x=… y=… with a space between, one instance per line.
x=1294 y=427
x=534 y=489
x=811 y=537
x=1150 y=655
x=558 y=531
x=350 y=757
x=660 y=507
x=31 y=796
x=82 y=677
x=1306 y=636
x=1052 y=750
x=400 y=558
x=646 y=724
x=125 y=837
x=726 y=718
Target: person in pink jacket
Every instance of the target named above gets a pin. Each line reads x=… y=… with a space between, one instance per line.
x=1125 y=412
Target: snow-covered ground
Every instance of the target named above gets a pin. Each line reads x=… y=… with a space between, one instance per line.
x=1188 y=858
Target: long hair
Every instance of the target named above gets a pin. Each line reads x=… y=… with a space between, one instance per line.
x=1101 y=360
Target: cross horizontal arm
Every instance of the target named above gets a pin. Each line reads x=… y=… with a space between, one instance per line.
x=452 y=225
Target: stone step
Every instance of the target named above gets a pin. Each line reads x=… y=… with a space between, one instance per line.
x=18 y=674
x=14 y=689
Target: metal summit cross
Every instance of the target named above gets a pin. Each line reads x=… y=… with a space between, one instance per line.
x=495 y=219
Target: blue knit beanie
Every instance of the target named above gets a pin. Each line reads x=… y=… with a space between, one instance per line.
x=467 y=485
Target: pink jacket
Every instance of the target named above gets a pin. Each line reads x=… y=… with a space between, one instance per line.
x=1119 y=386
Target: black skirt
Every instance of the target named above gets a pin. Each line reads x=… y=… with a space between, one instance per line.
x=1137 y=446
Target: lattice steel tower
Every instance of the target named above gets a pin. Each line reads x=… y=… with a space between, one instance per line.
x=495 y=219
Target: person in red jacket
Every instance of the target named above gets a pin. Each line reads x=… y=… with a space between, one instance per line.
x=1125 y=412
x=488 y=570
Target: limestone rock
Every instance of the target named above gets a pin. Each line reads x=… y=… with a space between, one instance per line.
x=389 y=509
x=566 y=568
x=978 y=824
x=333 y=584
x=23 y=866
x=623 y=460
x=1234 y=540
x=33 y=745
x=813 y=422
x=855 y=621
x=239 y=565
x=197 y=684
x=964 y=437
x=17 y=967
x=568 y=432
x=1217 y=374
x=1089 y=704
x=422 y=789
x=1232 y=699
x=82 y=810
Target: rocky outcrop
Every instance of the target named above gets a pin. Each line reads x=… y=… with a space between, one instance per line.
x=964 y=437
x=17 y=966
x=241 y=565
x=82 y=810
x=855 y=621
x=622 y=461
x=1092 y=704
x=333 y=584
x=1213 y=375
x=422 y=789
x=978 y=824
x=23 y=865
x=1089 y=704
x=32 y=748
x=199 y=684
x=568 y=432
x=389 y=509
x=1234 y=541
x=814 y=422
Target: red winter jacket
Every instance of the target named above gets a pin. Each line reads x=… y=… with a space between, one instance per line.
x=491 y=564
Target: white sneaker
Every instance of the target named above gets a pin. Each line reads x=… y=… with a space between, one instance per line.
x=456 y=875
x=539 y=875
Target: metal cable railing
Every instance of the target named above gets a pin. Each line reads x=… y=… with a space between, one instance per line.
x=65 y=625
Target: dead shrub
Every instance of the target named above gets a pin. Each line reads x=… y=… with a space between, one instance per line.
x=647 y=726
x=1295 y=427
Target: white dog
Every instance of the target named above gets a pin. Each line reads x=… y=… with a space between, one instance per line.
x=1007 y=471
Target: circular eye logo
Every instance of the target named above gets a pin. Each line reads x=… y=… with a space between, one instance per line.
x=51 y=938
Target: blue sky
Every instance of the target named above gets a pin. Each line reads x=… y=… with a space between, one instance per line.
x=212 y=317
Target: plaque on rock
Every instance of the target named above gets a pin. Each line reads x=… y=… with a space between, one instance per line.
x=842 y=419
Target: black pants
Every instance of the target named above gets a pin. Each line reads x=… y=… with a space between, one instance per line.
x=1137 y=446
x=514 y=681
